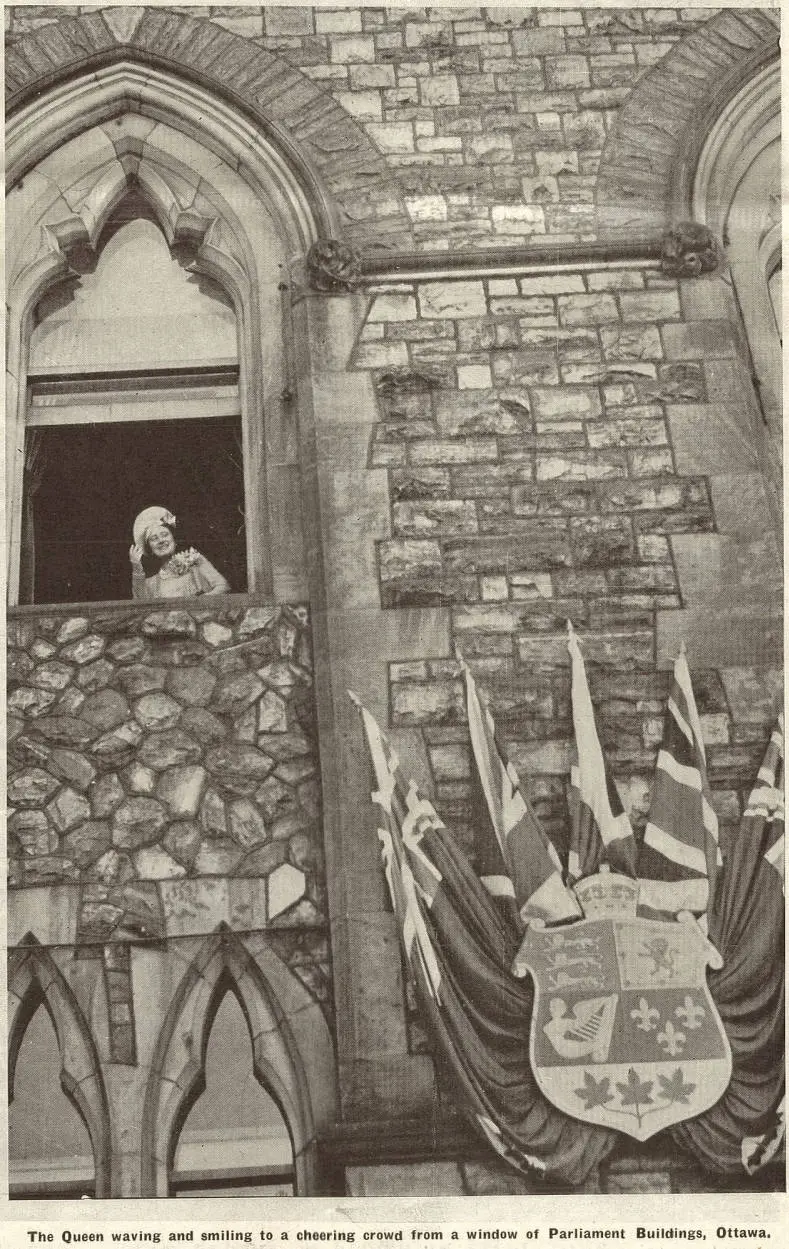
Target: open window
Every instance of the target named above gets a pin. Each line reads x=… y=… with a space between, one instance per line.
x=234 y=1141
x=133 y=400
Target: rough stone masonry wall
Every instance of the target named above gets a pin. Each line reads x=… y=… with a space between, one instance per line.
x=556 y=446
x=163 y=778
x=491 y=120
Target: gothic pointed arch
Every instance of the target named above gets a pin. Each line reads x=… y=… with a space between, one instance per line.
x=33 y=978
x=644 y=182
x=229 y=207
x=293 y=1055
x=344 y=176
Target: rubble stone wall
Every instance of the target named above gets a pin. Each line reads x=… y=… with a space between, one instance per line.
x=163 y=767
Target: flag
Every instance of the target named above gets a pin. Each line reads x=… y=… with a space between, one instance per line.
x=459 y=948
x=522 y=863
x=746 y=925
x=764 y=814
x=600 y=829
x=679 y=860
x=404 y=812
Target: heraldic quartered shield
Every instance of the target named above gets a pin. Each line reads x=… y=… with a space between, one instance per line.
x=624 y=1032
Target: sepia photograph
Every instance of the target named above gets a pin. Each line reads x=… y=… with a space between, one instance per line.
x=440 y=855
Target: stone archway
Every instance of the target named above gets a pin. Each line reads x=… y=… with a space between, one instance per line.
x=646 y=170
x=293 y=1052
x=33 y=975
x=346 y=177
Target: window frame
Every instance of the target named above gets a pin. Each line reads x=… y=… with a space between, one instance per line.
x=249 y=219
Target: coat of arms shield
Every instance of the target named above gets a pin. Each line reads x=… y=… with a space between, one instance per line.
x=624 y=1031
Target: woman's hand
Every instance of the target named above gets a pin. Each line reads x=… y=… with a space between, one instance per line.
x=135 y=556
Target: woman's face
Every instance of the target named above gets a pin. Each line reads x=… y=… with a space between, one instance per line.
x=161 y=542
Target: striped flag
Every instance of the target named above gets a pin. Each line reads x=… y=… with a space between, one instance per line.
x=764 y=814
x=680 y=857
x=405 y=813
x=763 y=820
x=600 y=829
x=522 y=863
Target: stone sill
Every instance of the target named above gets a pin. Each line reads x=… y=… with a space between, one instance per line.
x=203 y=602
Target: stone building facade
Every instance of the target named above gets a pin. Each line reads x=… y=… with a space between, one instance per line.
x=488 y=379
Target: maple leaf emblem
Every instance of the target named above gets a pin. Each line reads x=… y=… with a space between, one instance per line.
x=594 y=1092
x=636 y=1092
x=674 y=1089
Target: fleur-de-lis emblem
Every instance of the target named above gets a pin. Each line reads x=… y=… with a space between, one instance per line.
x=646 y=1016
x=690 y=1013
x=671 y=1040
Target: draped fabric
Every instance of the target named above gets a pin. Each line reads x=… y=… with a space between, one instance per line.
x=34 y=468
x=747 y=927
x=459 y=947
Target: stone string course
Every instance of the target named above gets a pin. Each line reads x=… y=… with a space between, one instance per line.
x=165 y=763
x=491 y=121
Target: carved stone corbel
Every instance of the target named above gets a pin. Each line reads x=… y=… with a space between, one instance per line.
x=332 y=266
x=688 y=250
x=73 y=241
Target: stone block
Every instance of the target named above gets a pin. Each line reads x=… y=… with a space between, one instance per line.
x=712 y=438
x=26 y=700
x=105 y=710
x=85 y=650
x=634 y=430
x=365 y=76
x=246 y=824
x=157 y=711
x=180 y=789
x=601 y=541
x=410 y=1179
x=428 y=518
x=454 y=300
x=392 y=307
x=168 y=749
x=439 y=90
x=194 y=907
x=137 y=822
x=580 y=466
x=632 y=343
x=591 y=309
x=51 y=676
x=435 y=702
x=519 y=220
x=191 y=687
x=445 y=451
x=352 y=49
x=234 y=693
x=286 y=886
x=699 y=340
x=237 y=767
x=650 y=305
x=95 y=676
x=139 y=679
x=72 y=767
x=203 y=725
x=72 y=628
x=556 y=403
x=169 y=624
x=539 y=546
x=392 y=138
x=154 y=863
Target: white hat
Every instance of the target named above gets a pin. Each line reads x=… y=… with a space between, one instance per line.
x=148 y=519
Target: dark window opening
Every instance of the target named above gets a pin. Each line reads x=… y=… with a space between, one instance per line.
x=84 y=485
